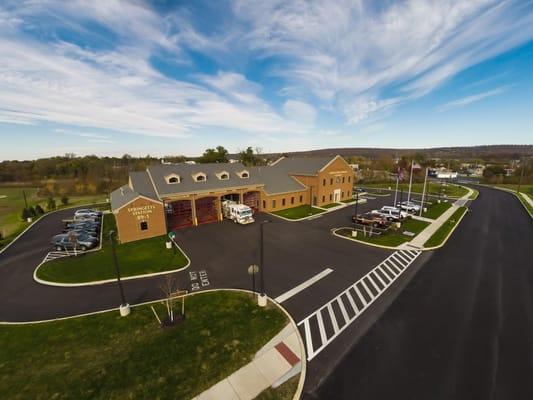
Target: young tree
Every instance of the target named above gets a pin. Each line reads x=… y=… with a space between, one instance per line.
x=64 y=200
x=39 y=210
x=32 y=211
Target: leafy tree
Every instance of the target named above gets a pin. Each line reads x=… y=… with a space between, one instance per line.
x=64 y=200
x=51 y=204
x=250 y=157
x=218 y=155
x=39 y=210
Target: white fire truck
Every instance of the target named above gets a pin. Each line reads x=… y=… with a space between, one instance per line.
x=238 y=213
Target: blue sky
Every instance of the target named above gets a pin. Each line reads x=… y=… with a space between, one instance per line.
x=113 y=77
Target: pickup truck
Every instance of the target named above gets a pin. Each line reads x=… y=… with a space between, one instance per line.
x=372 y=219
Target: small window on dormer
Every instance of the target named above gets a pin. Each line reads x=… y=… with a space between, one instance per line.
x=173 y=178
x=243 y=174
x=199 y=177
x=223 y=176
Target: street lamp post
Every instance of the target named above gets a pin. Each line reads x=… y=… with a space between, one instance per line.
x=354 y=232
x=124 y=306
x=262 y=299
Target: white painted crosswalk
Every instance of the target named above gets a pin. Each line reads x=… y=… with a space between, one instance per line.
x=53 y=255
x=323 y=325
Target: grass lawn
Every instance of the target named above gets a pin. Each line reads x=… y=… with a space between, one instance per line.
x=442 y=233
x=298 y=212
x=474 y=195
x=348 y=201
x=135 y=258
x=525 y=190
x=331 y=205
x=393 y=237
x=436 y=209
x=104 y=356
x=432 y=188
x=283 y=392
x=12 y=203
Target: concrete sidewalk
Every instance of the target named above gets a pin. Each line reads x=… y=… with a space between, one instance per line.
x=423 y=237
x=275 y=363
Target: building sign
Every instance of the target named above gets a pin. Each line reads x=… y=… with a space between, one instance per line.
x=142 y=212
x=337 y=172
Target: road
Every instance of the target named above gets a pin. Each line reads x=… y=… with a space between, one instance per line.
x=462 y=327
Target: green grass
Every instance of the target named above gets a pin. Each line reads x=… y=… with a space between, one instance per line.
x=474 y=195
x=450 y=190
x=135 y=258
x=442 y=233
x=330 y=205
x=298 y=212
x=436 y=209
x=347 y=201
x=525 y=190
x=525 y=203
x=104 y=356
x=283 y=392
x=12 y=204
x=393 y=237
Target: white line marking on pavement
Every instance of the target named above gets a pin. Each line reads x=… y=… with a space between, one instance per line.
x=394 y=263
x=294 y=291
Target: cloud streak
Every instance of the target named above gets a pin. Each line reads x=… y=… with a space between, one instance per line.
x=464 y=101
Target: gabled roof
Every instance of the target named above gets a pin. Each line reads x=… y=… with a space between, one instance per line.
x=188 y=184
x=302 y=165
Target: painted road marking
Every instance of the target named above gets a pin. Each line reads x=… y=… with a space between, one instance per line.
x=392 y=267
x=294 y=291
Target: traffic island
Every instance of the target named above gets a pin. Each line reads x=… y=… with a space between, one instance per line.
x=103 y=356
x=390 y=238
x=137 y=259
x=436 y=209
x=298 y=213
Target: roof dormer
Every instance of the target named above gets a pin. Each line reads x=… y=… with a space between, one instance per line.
x=223 y=175
x=199 y=177
x=172 y=178
x=243 y=174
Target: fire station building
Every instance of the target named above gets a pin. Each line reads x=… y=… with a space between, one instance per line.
x=166 y=197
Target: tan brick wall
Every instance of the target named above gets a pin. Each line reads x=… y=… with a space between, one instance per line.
x=275 y=202
x=130 y=216
x=337 y=176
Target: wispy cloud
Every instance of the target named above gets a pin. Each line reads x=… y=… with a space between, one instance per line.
x=464 y=101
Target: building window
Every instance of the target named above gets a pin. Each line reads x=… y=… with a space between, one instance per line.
x=343 y=179
x=223 y=176
x=349 y=179
x=330 y=197
x=323 y=199
x=338 y=179
x=331 y=181
x=273 y=203
x=173 y=178
x=199 y=177
x=292 y=200
x=264 y=204
x=342 y=195
x=323 y=182
x=283 y=201
x=243 y=174
x=301 y=198
x=144 y=225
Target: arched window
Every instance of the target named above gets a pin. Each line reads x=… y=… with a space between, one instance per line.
x=173 y=178
x=243 y=174
x=223 y=176
x=200 y=178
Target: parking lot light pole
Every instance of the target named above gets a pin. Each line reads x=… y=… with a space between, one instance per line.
x=262 y=299
x=124 y=306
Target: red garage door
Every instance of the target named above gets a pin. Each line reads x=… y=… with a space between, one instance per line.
x=251 y=199
x=206 y=210
x=179 y=214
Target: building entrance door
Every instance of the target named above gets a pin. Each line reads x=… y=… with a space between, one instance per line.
x=337 y=195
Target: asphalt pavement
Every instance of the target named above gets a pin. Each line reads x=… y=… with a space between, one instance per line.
x=462 y=327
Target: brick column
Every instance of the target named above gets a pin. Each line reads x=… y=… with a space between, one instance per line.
x=193 y=208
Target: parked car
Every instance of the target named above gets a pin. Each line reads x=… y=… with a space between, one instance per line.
x=79 y=231
x=65 y=242
x=395 y=210
x=389 y=215
x=86 y=226
x=409 y=206
x=87 y=217
x=88 y=212
x=372 y=219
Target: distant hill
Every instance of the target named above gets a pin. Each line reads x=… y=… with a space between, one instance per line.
x=503 y=151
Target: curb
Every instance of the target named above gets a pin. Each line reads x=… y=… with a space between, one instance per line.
x=324 y=211
x=105 y=281
x=41 y=217
x=303 y=359
x=450 y=233
x=334 y=232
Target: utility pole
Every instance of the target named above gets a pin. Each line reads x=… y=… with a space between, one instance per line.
x=262 y=299
x=124 y=306
x=25 y=200
x=396 y=191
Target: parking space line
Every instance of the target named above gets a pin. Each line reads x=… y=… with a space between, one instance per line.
x=304 y=285
x=392 y=267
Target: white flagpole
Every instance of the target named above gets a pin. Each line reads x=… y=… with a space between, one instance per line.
x=396 y=191
x=410 y=181
x=424 y=192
